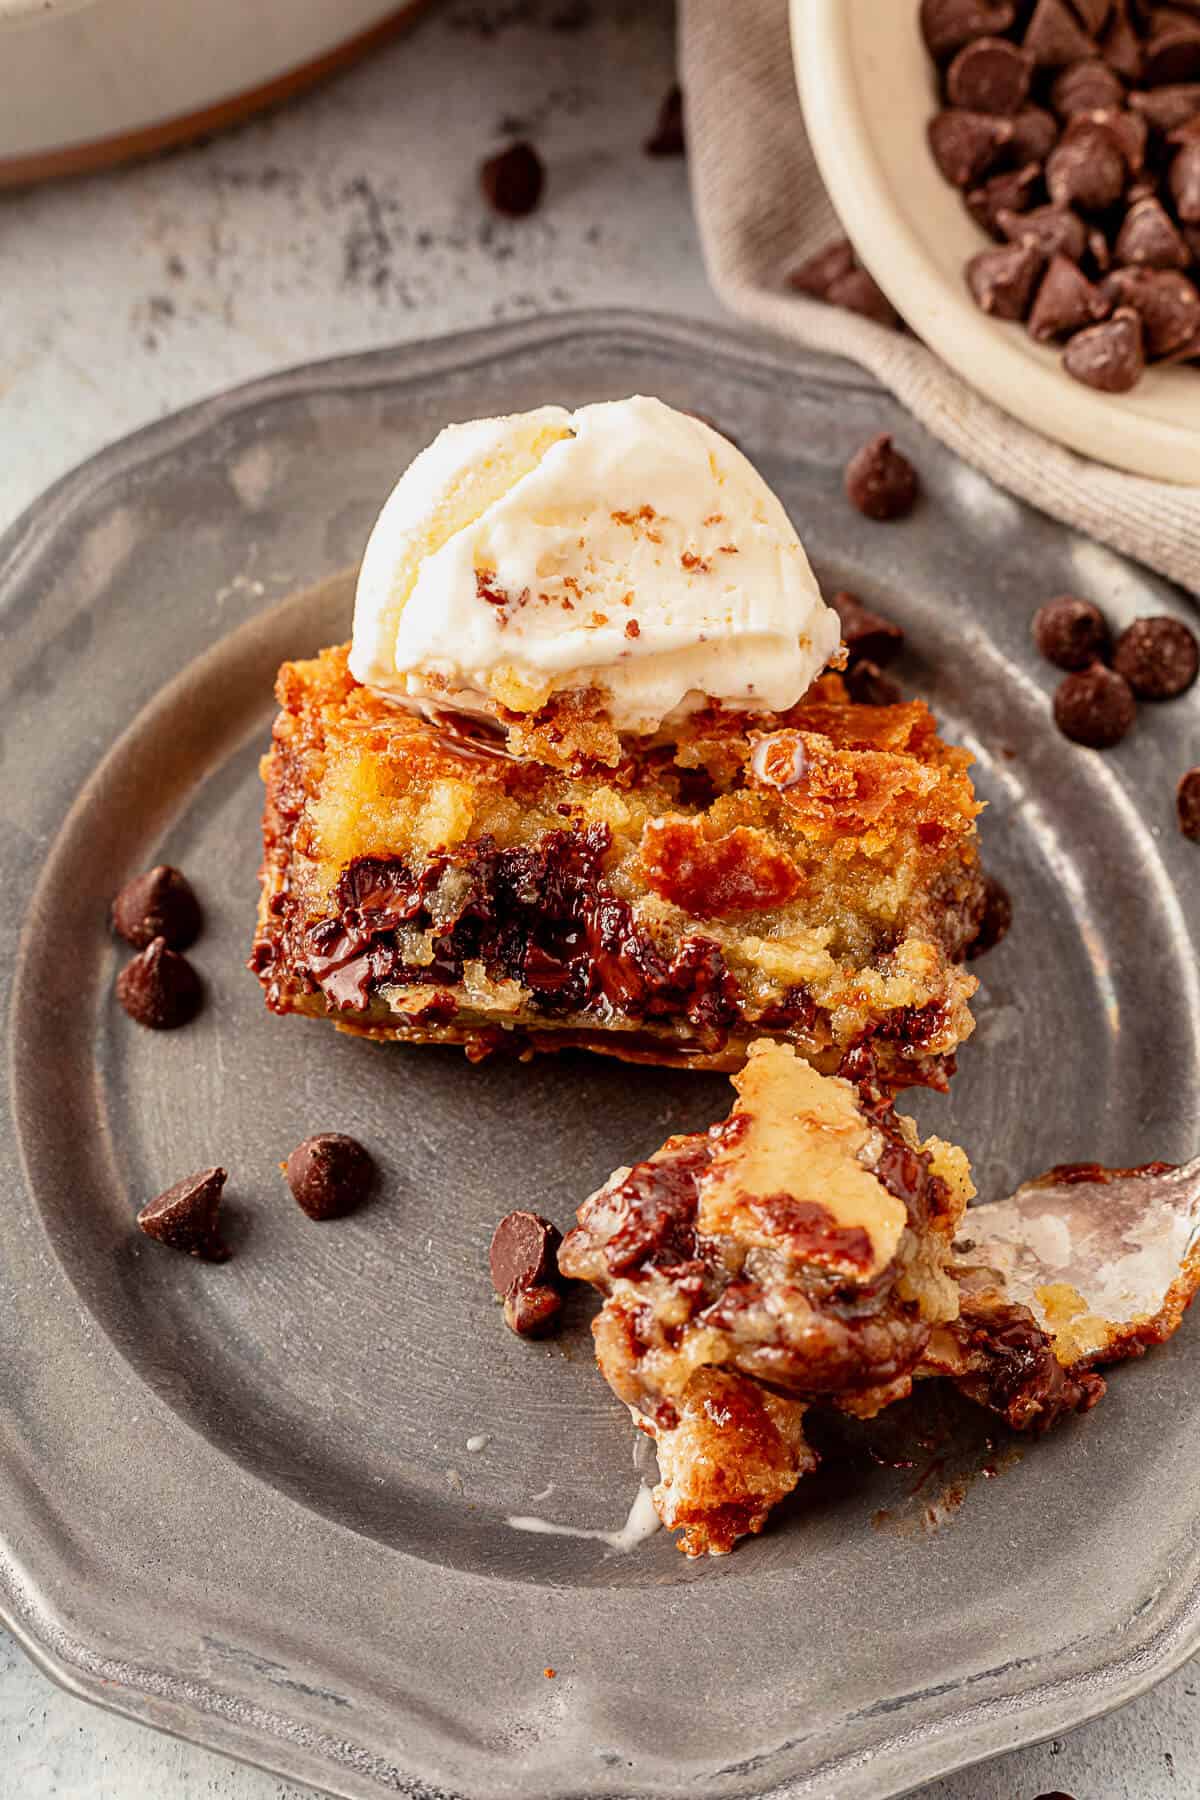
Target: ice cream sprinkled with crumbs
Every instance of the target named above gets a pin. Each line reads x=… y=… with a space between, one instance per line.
x=625 y=547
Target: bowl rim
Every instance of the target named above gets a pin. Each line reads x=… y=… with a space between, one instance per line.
x=985 y=353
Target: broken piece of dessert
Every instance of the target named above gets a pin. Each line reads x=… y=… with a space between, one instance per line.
x=804 y=1252
x=580 y=778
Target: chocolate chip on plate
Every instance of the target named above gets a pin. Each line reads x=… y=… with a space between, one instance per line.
x=160 y=903
x=523 y=1261
x=512 y=180
x=965 y=145
x=1095 y=707
x=1187 y=804
x=1065 y=301
x=329 y=1175
x=667 y=137
x=1158 y=657
x=867 y=685
x=866 y=633
x=1054 y=37
x=946 y=25
x=1002 y=281
x=1149 y=239
x=1108 y=356
x=1087 y=167
x=1056 y=230
x=160 y=989
x=881 y=482
x=1070 y=632
x=989 y=75
x=995 y=917
x=185 y=1217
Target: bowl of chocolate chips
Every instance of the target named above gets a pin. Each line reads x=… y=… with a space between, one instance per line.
x=1022 y=179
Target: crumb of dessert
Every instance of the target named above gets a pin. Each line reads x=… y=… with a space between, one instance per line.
x=186 y=1216
x=512 y=180
x=667 y=138
x=1159 y=657
x=1187 y=804
x=159 y=988
x=1095 y=707
x=1071 y=633
x=523 y=1262
x=881 y=482
x=795 y=1252
x=813 y=875
x=329 y=1175
x=995 y=917
x=159 y=903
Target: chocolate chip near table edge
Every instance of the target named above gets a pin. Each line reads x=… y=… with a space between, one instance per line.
x=185 y=1217
x=880 y=482
x=159 y=988
x=512 y=180
x=523 y=1263
x=1095 y=707
x=329 y=1175
x=1187 y=804
x=159 y=903
x=1071 y=633
x=1158 y=657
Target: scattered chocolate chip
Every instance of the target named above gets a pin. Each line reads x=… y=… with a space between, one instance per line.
x=881 y=482
x=1121 y=47
x=1084 y=86
x=1093 y=14
x=329 y=1175
x=160 y=988
x=858 y=292
x=1095 y=707
x=185 y=1217
x=1010 y=192
x=1128 y=131
x=814 y=275
x=1173 y=55
x=1054 y=36
x=946 y=25
x=994 y=919
x=989 y=75
x=1002 y=281
x=1108 y=356
x=667 y=137
x=867 y=685
x=523 y=1260
x=866 y=633
x=1066 y=301
x=1167 y=303
x=965 y=145
x=512 y=180
x=1086 y=168
x=1056 y=230
x=1184 y=182
x=1070 y=632
x=1168 y=107
x=1158 y=657
x=160 y=903
x=1034 y=135
x=1149 y=239
x=1187 y=804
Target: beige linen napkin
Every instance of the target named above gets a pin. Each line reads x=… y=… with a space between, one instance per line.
x=761 y=207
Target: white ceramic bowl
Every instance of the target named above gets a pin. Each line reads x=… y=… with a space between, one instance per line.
x=867 y=88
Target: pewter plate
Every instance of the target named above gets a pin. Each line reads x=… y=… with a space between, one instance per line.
x=238 y=1502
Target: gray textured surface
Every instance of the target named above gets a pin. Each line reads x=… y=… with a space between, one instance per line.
x=283 y=254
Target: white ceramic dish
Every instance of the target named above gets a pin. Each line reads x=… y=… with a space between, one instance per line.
x=866 y=85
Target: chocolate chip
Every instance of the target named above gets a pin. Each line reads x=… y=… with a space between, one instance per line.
x=1184 y=182
x=1056 y=230
x=1121 y=47
x=329 y=1175
x=866 y=633
x=881 y=482
x=867 y=685
x=160 y=988
x=512 y=180
x=857 y=292
x=989 y=75
x=1002 y=281
x=523 y=1260
x=160 y=903
x=1034 y=135
x=1086 y=168
x=1128 y=130
x=965 y=145
x=1187 y=804
x=1168 y=107
x=185 y=1217
x=1093 y=14
x=1066 y=300
x=667 y=137
x=1095 y=707
x=1084 y=86
x=1010 y=192
x=1173 y=55
x=1108 y=356
x=1070 y=632
x=814 y=275
x=1167 y=303
x=1054 y=37
x=946 y=25
x=1158 y=657
x=995 y=918
x=1148 y=238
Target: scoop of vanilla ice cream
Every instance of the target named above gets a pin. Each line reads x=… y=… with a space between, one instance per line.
x=625 y=547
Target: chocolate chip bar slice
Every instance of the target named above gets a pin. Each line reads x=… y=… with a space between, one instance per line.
x=810 y=876
x=795 y=1253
